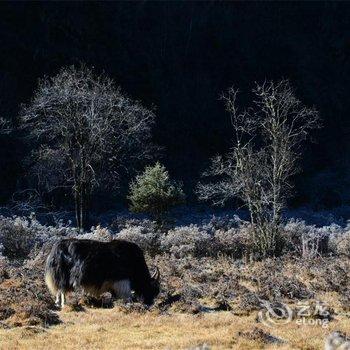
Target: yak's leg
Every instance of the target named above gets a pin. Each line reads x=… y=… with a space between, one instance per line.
x=122 y=290
x=63 y=299
x=58 y=299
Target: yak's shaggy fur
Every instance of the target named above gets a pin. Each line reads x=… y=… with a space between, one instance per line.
x=98 y=267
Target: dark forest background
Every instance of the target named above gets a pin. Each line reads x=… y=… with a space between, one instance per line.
x=179 y=57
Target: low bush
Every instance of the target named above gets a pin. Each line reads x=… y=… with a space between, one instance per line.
x=98 y=234
x=224 y=223
x=186 y=240
x=233 y=242
x=308 y=241
x=16 y=238
x=329 y=274
x=274 y=280
x=146 y=239
x=23 y=237
x=25 y=299
x=233 y=237
x=339 y=242
x=248 y=302
x=20 y=235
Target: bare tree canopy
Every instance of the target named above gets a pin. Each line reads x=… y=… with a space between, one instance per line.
x=265 y=151
x=86 y=129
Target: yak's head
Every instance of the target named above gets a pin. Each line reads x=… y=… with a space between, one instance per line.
x=153 y=289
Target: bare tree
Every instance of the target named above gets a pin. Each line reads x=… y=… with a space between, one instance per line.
x=86 y=129
x=266 y=147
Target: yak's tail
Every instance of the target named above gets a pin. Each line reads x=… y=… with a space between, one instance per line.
x=50 y=282
x=57 y=270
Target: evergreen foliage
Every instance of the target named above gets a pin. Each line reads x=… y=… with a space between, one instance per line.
x=154 y=193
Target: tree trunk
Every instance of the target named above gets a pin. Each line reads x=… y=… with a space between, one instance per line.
x=80 y=201
x=82 y=209
x=76 y=205
x=81 y=192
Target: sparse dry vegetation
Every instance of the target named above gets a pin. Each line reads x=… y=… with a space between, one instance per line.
x=209 y=296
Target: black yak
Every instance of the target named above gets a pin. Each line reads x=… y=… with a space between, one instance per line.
x=117 y=267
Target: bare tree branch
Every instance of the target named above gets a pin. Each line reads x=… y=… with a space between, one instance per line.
x=86 y=129
x=266 y=147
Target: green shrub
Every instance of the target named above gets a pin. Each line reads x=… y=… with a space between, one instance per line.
x=154 y=193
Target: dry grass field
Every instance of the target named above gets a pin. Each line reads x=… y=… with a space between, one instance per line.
x=114 y=329
x=207 y=300
x=204 y=304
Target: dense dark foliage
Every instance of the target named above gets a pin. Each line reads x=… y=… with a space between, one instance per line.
x=179 y=56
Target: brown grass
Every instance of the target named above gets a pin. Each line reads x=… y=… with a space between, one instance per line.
x=179 y=319
x=113 y=329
